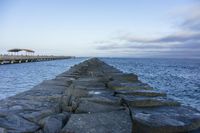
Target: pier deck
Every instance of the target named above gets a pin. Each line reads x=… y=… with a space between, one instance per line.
x=11 y=59
x=93 y=97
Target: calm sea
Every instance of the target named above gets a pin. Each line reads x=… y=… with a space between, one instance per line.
x=180 y=78
x=17 y=78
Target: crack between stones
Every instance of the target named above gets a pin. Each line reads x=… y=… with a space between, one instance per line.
x=130 y=112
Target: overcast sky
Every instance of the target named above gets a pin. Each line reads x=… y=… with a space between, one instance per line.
x=114 y=28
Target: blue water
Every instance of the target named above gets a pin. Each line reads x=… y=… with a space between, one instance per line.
x=17 y=78
x=180 y=78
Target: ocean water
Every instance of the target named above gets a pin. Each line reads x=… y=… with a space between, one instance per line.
x=17 y=78
x=180 y=78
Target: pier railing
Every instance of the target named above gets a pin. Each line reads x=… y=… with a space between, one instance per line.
x=10 y=59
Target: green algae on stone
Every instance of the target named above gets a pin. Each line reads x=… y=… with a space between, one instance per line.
x=131 y=88
x=142 y=101
x=128 y=77
x=116 y=85
x=147 y=93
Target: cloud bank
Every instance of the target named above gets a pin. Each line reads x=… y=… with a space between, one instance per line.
x=181 y=44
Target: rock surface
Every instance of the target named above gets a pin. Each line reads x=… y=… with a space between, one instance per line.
x=165 y=119
x=14 y=122
x=93 y=97
x=110 y=122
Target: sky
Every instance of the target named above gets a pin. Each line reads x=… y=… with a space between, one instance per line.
x=102 y=28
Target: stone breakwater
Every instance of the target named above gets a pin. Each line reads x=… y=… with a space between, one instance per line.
x=93 y=97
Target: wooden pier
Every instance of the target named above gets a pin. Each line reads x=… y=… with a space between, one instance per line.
x=11 y=59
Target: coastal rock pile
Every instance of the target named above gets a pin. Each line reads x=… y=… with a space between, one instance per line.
x=93 y=97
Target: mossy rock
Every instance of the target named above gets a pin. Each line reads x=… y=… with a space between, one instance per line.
x=128 y=86
x=131 y=88
x=147 y=93
x=125 y=77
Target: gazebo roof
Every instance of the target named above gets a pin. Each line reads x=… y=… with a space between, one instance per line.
x=28 y=50
x=14 y=50
x=18 y=50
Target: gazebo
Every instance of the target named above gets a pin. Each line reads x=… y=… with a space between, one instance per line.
x=16 y=50
x=28 y=51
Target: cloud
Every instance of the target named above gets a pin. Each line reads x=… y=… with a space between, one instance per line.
x=181 y=38
x=172 y=41
x=185 y=42
x=192 y=24
x=192 y=21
